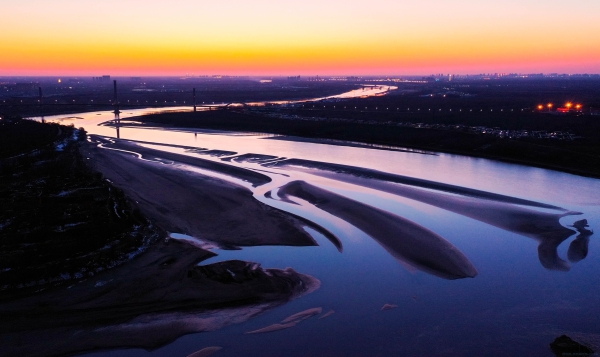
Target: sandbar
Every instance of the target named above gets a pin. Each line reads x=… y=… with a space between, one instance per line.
x=256 y=179
x=542 y=226
x=303 y=315
x=405 y=240
x=206 y=351
x=194 y=204
x=327 y=169
x=148 y=302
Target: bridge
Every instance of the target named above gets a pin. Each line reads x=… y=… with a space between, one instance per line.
x=107 y=104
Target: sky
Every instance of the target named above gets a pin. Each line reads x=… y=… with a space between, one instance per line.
x=309 y=37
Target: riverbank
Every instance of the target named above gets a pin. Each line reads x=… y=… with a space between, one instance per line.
x=50 y=199
x=406 y=241
x=193 y=203
x=578 y=158
x=83 y=267
x=149 y=302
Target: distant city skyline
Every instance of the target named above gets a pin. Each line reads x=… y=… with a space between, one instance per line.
x=268 y=77
x=271 y=38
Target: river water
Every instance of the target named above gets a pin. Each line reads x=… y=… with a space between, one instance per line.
x=522 y=297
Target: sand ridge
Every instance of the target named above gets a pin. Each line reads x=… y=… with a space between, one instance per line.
x=405 y=240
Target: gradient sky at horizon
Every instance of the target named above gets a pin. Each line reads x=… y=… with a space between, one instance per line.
x=275 y=37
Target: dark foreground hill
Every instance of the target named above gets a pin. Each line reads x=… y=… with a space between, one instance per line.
x=59 y=221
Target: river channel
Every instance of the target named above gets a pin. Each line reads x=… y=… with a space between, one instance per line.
x=492 y=263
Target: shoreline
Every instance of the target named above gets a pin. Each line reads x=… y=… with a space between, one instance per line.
x=165 y=292
x=516 y=216
x=147 y=303
x=406 y=241
x=196 y=205
x=366 y=134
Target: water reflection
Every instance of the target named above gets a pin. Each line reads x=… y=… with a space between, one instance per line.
x=406 y=241
x=536 y=220
x=147 y=303
x=365 y=276
x=578 y=249
x=508 y=213
x=117 y=124
x=411 y=244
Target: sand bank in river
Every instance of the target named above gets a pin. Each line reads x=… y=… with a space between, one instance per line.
x=405 y=240
x=163 y=294
x=255 y=178
x=544 y=227
x=324 y=167
x=509 y=213
x=206 y=351
x=197 y=205
x=146 y=303
x=290 y=321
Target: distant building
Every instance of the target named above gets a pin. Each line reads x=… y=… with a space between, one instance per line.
x=104 y=78
x=24 y=87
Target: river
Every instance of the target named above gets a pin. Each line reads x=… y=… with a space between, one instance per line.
x=529 y=285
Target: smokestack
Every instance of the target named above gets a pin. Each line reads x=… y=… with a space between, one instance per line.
x=115 y=87
x=116 y=100
x=40 y=102
x=194 y=91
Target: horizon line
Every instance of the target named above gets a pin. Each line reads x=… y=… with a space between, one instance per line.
x=192 y=75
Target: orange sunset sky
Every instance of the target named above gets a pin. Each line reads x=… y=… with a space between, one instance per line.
x=277 y=37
